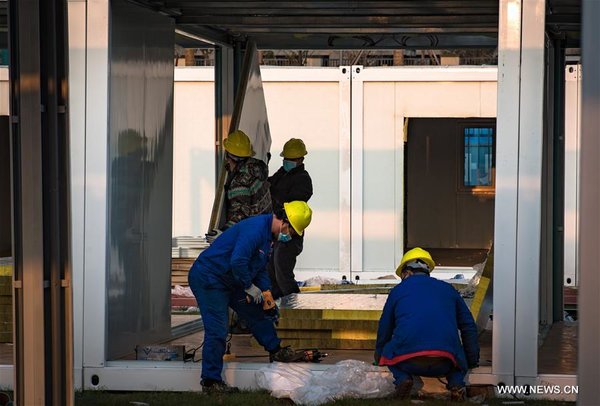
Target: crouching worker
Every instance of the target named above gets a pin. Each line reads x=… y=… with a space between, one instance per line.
x=419 y=328
x=232 y=273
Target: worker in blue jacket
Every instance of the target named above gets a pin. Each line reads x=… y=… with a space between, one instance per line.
x=419 y=328
x=232 y=273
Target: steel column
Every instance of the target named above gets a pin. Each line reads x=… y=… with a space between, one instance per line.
x=224 y=100
x=589 y=231
x=41 y=234
x=558 y=235
x=518 y=191
x=357 y=174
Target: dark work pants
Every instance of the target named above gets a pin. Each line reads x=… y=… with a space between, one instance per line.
x=428 y=366
x=281 y=267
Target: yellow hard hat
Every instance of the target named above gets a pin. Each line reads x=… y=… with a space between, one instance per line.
x=414 y=254
x=294 y=148
x=237 y=143
x=299 y=215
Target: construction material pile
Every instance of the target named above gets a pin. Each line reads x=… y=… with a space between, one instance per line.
x=184 y=252
x=331 y=320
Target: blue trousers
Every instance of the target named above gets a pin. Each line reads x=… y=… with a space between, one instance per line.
x=428 y=366
x=214 y=305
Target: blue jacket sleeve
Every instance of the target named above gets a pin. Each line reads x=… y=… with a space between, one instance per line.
x=386 y=325
x=468 y=332
x=262 y=280
x=247 y=243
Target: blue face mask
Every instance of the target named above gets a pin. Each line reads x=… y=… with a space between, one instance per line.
x=283 y=237
x=288 y=165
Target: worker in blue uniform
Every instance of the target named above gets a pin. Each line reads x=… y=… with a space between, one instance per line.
x=419 y=328
x=232 y=273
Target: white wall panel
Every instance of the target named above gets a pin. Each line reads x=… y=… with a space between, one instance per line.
x=380 y=181
x=442 y=99
x=310 y=111
x=194 y=151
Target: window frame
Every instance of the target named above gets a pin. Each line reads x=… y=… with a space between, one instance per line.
x=478 y=189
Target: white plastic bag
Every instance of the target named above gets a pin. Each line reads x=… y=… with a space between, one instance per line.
x=282 y=379
x=346 y=379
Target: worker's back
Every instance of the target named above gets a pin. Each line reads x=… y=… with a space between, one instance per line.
x=424 y=314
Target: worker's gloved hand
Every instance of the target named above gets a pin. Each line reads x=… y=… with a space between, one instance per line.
x=376 y=358
x=254 y=293
x=212 y=235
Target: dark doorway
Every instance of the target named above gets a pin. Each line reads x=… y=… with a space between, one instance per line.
x=450 y=188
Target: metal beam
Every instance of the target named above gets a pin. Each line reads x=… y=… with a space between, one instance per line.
x=345 y=41
x=342 y=5
x=341 y=21
x=200 y=9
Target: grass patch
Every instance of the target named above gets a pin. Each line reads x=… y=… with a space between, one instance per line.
x=248 y=398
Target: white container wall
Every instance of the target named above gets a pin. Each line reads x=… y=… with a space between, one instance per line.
x=389 y=96
x=315 y=104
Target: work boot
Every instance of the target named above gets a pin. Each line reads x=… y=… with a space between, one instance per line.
x=458 y=394
x=282 y=354
x=210 y=386
x=403 y=389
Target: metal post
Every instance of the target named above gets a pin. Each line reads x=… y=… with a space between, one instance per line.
x=558 y=235
x=518 y=190
x=41 y=235
x=589 y=231
x=224 y=93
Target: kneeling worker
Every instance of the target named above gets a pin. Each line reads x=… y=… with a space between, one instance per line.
x=418 y=330
x=232 y=273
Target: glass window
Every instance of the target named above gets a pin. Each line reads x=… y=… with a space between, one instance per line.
x=478 y=156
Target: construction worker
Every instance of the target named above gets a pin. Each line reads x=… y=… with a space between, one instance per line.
x=232 y=273
x=418 y=330
x=246 y=188
x=291 y=182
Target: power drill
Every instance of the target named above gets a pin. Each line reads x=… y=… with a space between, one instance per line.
x=268 y=301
